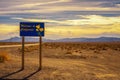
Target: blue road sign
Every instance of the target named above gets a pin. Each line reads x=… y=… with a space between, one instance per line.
x=31 y=29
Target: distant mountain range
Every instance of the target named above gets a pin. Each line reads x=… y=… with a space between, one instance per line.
x=101 y=39
x=27 y=39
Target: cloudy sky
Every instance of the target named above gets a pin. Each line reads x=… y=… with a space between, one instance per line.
x=63 y=18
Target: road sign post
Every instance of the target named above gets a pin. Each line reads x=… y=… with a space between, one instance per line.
x=40 y=53
x=23 y=40
x=32 y=29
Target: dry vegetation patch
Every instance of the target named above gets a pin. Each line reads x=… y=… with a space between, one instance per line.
x=4 y=56
x=67 y=61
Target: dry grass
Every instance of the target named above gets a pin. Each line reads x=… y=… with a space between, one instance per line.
x=29 y=49
x=67 y=61
x=4 y=56
x=82 y=50
x=84 y=45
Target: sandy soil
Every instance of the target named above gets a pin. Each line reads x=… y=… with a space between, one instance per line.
x=64 y=61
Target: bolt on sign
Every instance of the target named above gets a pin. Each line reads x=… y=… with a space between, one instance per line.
x=32 y=29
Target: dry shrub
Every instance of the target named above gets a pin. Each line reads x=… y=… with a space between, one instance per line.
x=97 y=51
x=3 y=56
x=117 y=49
x=68 y=52
x=104 y=48
x=29 y=48
x=76 y=56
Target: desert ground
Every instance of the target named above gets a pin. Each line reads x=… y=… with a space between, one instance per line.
x=62 y=61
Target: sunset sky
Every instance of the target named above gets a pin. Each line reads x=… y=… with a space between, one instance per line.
x=63 y=18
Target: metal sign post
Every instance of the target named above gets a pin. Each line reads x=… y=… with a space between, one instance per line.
x=32 y=29
x=40 y=53
x=23 y=40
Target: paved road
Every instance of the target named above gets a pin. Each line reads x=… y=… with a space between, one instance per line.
x=9 y=46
